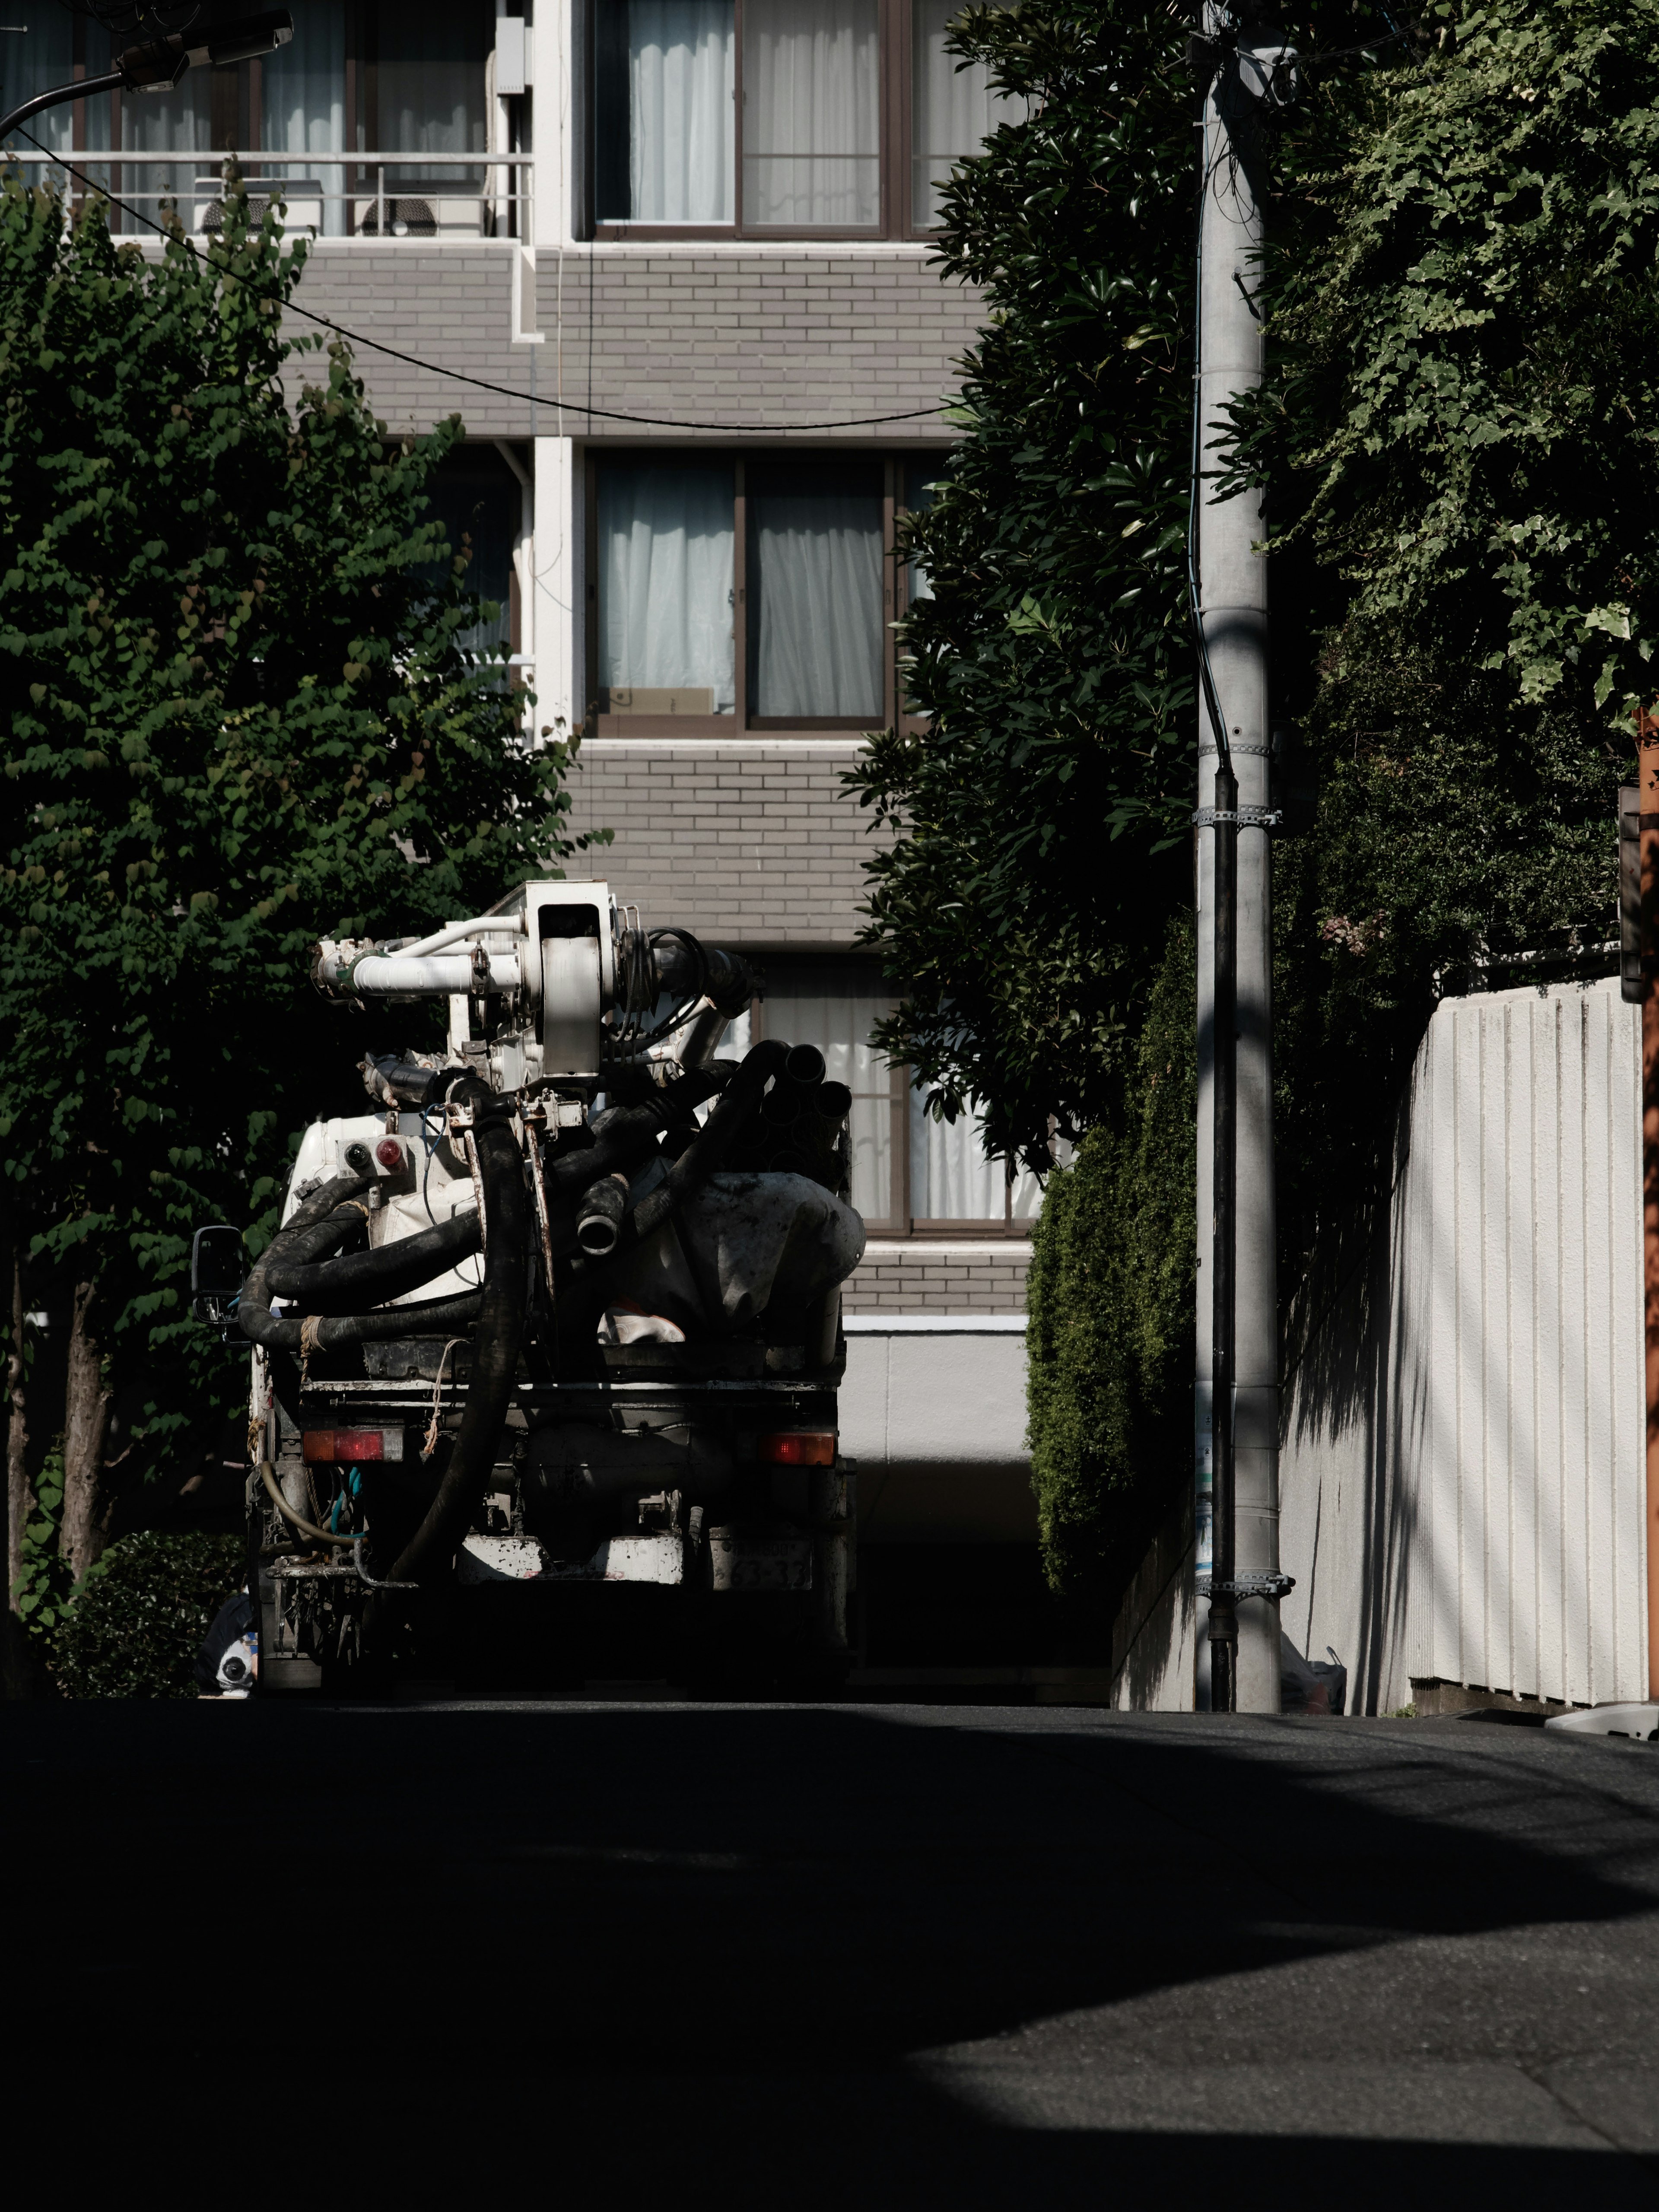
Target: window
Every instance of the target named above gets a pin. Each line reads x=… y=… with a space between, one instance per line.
x=911 y=1176
x=780 y=117
x=953 y=109
x=666 y=126
x=665 y=593
x=476 y=493
x=401 y=90
x=728 y=592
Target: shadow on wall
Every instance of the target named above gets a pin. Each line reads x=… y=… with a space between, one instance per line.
x=1349 y=1406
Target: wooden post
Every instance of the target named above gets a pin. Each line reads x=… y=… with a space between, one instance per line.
x=1647 y=750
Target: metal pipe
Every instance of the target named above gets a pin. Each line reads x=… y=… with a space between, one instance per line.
x=401 y=974
x=1224 y=1611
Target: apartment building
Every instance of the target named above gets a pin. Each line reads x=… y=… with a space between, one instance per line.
x=685 y=245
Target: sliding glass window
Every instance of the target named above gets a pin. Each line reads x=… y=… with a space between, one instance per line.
x=953 y=109
x=781 y=117
x=816 y=630
x=303 y=112
x=811 y=115
x=730 y=592
x=911 y=1175
x=666 y=594
x=666 y=129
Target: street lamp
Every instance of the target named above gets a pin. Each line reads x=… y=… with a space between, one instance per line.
x=157 y=64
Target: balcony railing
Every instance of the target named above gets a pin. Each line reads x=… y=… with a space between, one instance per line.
x=363 y=195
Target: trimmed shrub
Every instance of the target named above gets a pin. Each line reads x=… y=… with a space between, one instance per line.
x=138 y=1620
x=1110 y=1330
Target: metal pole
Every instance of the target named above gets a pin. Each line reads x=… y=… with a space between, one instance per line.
x=1223 y=1611
x=1237 y=1394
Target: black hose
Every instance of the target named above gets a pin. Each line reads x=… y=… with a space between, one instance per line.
x=626 y=1135
x=805 y=1066
x=599 y=1214
x=326 y=1217
x=495 y=1347
x=372 y=1278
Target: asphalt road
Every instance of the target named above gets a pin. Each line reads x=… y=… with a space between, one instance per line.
x=840 y=1955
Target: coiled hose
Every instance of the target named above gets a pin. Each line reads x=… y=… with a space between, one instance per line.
x=322 y=1220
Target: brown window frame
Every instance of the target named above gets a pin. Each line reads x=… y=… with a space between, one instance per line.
x=895 y=139
x=602 y=722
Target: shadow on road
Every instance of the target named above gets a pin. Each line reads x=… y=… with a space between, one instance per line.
x=691 y=1950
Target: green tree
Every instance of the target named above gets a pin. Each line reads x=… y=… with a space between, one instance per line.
x=1042 y=804
x=1460 y=442
x=1457 y=440
x=240 y=719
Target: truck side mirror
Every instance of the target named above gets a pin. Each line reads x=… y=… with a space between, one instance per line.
x=216 y=1272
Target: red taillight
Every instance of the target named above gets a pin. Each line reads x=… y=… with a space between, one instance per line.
x=389 y=1152
x=798 y=1448
x=345 y=1447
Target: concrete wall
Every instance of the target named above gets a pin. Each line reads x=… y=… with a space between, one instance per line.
x=1462 y=1480
x=933 y=1412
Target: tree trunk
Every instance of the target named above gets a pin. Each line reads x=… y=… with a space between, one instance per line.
x=18 y=1668
x=85 y=1424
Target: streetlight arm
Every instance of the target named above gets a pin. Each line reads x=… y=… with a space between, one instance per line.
x=56 y=98
x=159 y=65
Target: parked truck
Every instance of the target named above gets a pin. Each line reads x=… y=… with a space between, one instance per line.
x=546 y=1349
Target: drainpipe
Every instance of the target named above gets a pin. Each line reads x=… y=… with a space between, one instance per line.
x=1647 y=753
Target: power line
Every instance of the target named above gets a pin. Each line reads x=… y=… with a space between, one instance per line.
x=459 y=376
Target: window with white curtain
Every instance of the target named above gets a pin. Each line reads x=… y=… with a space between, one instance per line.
x=666 y=124
x=954 y=110
x=812 y=119
x=33 y=58
x=816 y=558
x=775 y=118
x=755 y=587
x=666 y=600
x=950 y=1178
x=302 y=102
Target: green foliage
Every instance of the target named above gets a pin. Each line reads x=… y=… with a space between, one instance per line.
x=43 y=1588
x=1109 y=1295
x=1457 y=440
x=1042 y=802
x=241 y=720
x=1461 y=444
x=138 y=1619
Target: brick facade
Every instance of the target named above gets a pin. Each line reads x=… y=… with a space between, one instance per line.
x=942 y=1279
x=769 y=335
x=749 y=842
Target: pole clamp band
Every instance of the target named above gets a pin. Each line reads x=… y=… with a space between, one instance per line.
x=1247 y=1585
x=1257 y=752
x=1246 y=818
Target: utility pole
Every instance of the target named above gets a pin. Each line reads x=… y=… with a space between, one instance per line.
x=1250 y=69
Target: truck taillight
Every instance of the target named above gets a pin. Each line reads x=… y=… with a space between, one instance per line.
x=798 y=1448
x=346 y=1447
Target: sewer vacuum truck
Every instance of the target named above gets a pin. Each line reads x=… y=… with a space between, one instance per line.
x=546 y=1349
